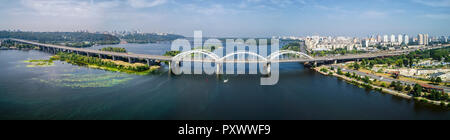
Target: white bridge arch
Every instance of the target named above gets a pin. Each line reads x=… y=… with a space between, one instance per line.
x=243 y=52
x=216 y=58
x=283 y=52
x=187 y=53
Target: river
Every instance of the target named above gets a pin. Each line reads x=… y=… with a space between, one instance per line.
x=65 y=91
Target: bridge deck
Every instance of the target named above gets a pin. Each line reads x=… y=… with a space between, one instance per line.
x=168 y=58
x=125 y=55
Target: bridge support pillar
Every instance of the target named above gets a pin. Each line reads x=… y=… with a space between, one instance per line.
x=170 y=67
x=148 y=62
x=129 y=60
x=267 y=68
x=218 y=69
x=335 y=61
x=87 y=54
x=100 y=56
x=315 y=64
x=113 y=58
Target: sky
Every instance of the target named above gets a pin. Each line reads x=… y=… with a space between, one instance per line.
x=231 y=18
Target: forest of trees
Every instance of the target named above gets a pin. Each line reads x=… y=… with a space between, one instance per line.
x=114 y=49
x=71 y=39
x=149 y=38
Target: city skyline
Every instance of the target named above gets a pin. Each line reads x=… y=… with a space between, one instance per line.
x=248 y=18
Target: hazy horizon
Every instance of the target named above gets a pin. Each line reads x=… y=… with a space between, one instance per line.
x=232 y=18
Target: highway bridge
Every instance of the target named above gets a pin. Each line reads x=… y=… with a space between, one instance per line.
x=275 y=57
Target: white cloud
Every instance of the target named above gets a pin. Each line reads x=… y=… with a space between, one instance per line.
x=434 y=3
x=374 y=14
x=437 y=16
x=214 y=9
x=67 y=8
x=145 y=3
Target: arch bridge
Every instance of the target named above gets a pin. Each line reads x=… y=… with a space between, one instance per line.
x=205 y=56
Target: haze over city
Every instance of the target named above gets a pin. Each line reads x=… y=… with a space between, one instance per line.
x=246 y=18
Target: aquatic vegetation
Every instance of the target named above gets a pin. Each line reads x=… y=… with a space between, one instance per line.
x=39 y=63
x=87 y=80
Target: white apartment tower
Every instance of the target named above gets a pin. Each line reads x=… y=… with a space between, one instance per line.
x=400 y=39
x=392 y=38
x=406 y=39
x=379 y=38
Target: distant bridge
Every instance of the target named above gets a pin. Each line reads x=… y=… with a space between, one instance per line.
x=205 y=56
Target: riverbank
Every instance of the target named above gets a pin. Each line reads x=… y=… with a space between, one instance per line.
x=379 y=88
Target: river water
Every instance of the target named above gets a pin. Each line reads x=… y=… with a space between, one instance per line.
x=65 y=91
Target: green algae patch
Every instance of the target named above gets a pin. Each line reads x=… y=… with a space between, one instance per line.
x=39 y=63
x=87 y=80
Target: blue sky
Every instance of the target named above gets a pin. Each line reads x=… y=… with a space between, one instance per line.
x=231 y=18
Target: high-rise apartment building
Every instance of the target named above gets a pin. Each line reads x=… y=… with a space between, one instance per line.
x=426 y=39
x=406 y=39
x=379 y=38
x=385 y=38
x=420 y=39
x=392 y=38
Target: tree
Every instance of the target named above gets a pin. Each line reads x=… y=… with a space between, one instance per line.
x=417 y=90
x=339 y=71
x=408 y=88
x=438 y=80
x=356 y=66
x=399 y=87
x=366 y=79
x=348 y=74
x=433 y=80
x=383 y=85
x=393 y=84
